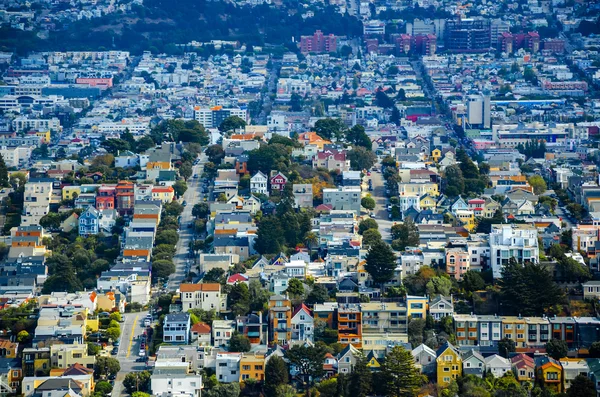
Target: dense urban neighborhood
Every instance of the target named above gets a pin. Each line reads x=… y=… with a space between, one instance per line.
x=278 y=199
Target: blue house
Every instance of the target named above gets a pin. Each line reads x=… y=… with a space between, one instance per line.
x=89 y=222
x=176 y=328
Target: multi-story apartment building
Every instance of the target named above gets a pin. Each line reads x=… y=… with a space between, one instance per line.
x=213 y=117
x=205 y=296
x=64 y=356
x=512 y=241
x=37 y=198
x=382 y=323
x=228 y=367
x=343 y=198
x=176 y=328
x=318 y=43
x=280 y=319
x=349 y=319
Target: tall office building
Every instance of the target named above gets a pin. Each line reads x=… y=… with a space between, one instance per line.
x=468 y=35
x=478 y=111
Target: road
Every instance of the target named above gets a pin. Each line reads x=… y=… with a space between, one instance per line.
x=193 y=195
x=131 y=328
x=565 y=218
x=380 y=211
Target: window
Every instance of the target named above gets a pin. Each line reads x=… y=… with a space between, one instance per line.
x=446 y=369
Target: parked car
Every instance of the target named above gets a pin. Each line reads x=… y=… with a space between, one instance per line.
x=114 y=351
x=142 y=353
x=140 y=360
x=116 y=343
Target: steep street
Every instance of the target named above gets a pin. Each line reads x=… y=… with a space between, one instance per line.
x=380 y=211
x=131 y=328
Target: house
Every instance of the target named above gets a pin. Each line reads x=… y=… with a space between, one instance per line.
x=303 y=327
x=278 y=181
x=205 y=296
x=330 y=365
x=441 y=307
x=222 y=330
x=258 y=183
x=549 y=373
x=252 y=366
x=332 y=160
x=253 y=327
x=228 y=367
x=201 y=334
x=303 y=195
x=164 y=194
x=449 y=364
x=237 y=278
x=71 y=385
x=176 y=328
x=280 y=319
x=239 y=245
x=71 y=223
x=572 y=367
x=171 y=378
x=343 y=198
x=473 y=363
x=497 y=365
x=591 y=289
x=347 y=358
x=425 y=359
x=278 y=283
x=594 y=374
x=523 y=367
x=66 y=355
x=89 y=222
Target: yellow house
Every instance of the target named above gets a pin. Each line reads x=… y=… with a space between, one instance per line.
x=418 y=189
x=514 y=328
x=36 y=361
x=548 y=372
x=45 y=135
x=8 y=349
x=372 y=362
x=252 y=366
x=428 y=202
x=165 y=194
x=67 y=355
x=449 y=364
x=466 y=219
x=71 y=192
x=436 y=154
x=416 y=306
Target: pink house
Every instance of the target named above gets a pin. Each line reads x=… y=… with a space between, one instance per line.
x=278 y=181
x=458 y=262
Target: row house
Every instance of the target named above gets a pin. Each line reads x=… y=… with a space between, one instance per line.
x=205 y=296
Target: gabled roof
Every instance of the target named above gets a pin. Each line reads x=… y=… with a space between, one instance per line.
x=348 y=349
x=445 y=347
x=423 y=348
x=472 y=354
x=302 y=307
x=237 y=278
x=77 y=369
x=201 y=328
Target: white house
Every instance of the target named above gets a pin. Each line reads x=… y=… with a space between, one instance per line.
x=222 y=331
x=424 y=357
x=205 y=296
x=497 y=365
x=303 y=325
x=258 y=183
x=174 y=379
x=441 y=307
x=228 y=367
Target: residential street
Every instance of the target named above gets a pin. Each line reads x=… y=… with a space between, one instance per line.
x=192 y=196
x=380 y=211
x=129 y=349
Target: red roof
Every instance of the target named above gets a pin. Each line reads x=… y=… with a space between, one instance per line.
x=200 y=328
x=324 y=207
x=237 y=278
x=302 y=306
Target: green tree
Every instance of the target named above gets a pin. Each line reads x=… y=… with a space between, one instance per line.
x=215 y=153
x=139 y=394
x=405 y=235
x=318 y=294
x=367 y=224
x=232 y=123
x=270 y=236
x=557 y=348
x=371 y=237
x=538 y=184
x=115 y=316
x=361 y=378
x=239 y=343
x=238 y=299
x=416 y=326
x=169 y=237
x=380 y=262
x=358 y=137
x=113 y=333
x=329 y=128
x=361 y=158
x=439 y=286
x=295 y=288
x=201 y=210
x=472 y=281
x=103 y=387
x=214 y=275
x=107 y=366
x=506 y=346
x=403 y=379
x=137 y=381
x=368 y=203
x=328 y=387
x=581 y=386
x=162 y=269
x=308 y=360
x=180 y=188
x=455 y=180
x=276 y=374
x=259 y=296
x=186 y=170
x=51 y=221
x=22 y=336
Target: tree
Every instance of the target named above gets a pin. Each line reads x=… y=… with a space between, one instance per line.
x=405 y=235
x=223 y=390
x=22 y=336
x=538 y=184
x=232 y=123
x=329 y=128
x=361 y=158
x=239 y=343
x=358 y=137
x=295 y=288
x=403 y=379
x=201 y=210
x=180 y=188
x=368 y=203
x=162 y=269
x=382 y=100
x=215 y=153
x=259 y=296
x=371 y=237
x=107 y=366
x=115 y=316
x=276 y=374
x=472 y=281
x=51 y=221
x=506 y=346
x=311 y=239
x=137 y=381
x=557 y=348
x=186 y=170
x=139 y=394
x=169 y=237
x=416 y=326
x=214 y=275
x=455 y=182
x=113 y=333
x=308 y=360
x=581 y=386
x=103 y=387
x=318 y=294
x=367 y=224
x=594 y=351
x=381 y=262
x=238 y=299
x=361 y=378
x=439 y=286
x=270 y=236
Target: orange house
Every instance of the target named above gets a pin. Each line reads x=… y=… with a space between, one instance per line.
x=311 y=138
x=349 y=320
x=280 y=319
